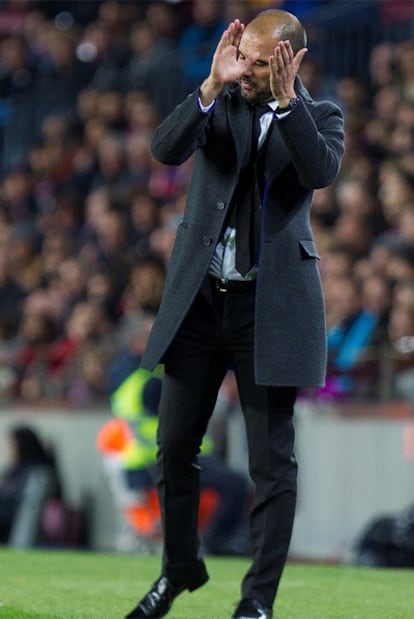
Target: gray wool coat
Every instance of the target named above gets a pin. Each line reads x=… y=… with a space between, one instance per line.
x=304 y=152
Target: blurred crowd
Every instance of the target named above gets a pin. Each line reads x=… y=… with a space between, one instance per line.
x=88 y=217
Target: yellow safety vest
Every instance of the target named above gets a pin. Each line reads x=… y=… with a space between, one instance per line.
x=127 y=402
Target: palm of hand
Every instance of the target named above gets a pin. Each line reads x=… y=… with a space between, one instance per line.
x=227 y=66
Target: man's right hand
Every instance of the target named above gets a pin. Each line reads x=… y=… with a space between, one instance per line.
x=226 y=65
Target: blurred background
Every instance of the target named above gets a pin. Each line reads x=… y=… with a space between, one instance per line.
x=87 y=223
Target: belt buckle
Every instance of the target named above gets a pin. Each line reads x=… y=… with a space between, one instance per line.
x=222 y=285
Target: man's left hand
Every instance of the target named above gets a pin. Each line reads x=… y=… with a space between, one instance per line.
x=284 y=66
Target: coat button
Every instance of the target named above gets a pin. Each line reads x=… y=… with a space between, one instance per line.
x=207 y=241
x=221 y=205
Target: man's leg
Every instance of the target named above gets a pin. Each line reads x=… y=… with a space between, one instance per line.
x=270 y=435
x=194 y=370
x=268 y=413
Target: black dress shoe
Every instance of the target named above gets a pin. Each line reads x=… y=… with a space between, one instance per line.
x=252 y=609
x=160 y=597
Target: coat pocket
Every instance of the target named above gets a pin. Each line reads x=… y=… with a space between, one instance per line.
x=308 y=249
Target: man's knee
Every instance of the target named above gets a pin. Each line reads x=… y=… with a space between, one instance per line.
x=175 y=462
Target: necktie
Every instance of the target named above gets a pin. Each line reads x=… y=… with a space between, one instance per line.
x=247 y=200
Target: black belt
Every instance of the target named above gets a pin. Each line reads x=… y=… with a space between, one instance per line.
x=233 y=285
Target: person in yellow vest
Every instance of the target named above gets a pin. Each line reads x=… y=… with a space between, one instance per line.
x=225 y=492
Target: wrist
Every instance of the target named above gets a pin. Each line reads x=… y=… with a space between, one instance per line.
x=283 y=101
x=209 y=90
x=286 y=105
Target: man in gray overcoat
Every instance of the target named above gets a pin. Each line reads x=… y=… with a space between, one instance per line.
x=243 y=292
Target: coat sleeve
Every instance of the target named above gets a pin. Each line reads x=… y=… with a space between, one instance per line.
x=315 y=142
x=181 y=133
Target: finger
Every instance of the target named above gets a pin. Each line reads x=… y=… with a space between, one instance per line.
x=287 y=51
x=280 y=61
x=224 y=39
x=238 y=34
x=300 y=56
x=273 y=65
x=234 y=26
x=232 y=35
x=228 y=36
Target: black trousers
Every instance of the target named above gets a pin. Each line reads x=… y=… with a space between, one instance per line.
x=217 y=334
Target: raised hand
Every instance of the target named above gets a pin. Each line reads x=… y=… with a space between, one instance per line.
x=226 y=65
x=284 y=66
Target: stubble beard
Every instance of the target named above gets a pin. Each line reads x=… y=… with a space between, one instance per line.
x=256 y=97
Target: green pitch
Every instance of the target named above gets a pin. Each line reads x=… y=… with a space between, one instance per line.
x=69 y=585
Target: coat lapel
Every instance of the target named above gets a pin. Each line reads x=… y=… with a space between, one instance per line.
x=276 y=153
x=240 y=117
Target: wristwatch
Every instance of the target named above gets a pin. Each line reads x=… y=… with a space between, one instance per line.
x=289 y=107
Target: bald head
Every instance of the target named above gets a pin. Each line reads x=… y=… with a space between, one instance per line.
x=278 y=25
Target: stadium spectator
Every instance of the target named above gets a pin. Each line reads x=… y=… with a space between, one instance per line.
x=74 y=371
x=197 y=43
x=102 y=46
x=26 y=452
x=61 y=75
x=154 y=67
x=12 y=295
x=145 y=215
x=336 y=262
x=17 y=197
x=56 y=247
x=164 y=21
x=113 y=246
x=381 y=66
x=353 y=327
x=141 y=115
x=69 y=285
x=102 y=289
x=401 y=338
x=112 y=172
x=24 y=256
x=16 y=74
x=400 y=267
x=34 y=361
x=87 y=386
x=354 y=230
x=145 y=285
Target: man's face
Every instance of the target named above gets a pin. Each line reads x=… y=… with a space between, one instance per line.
x=255 y=83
